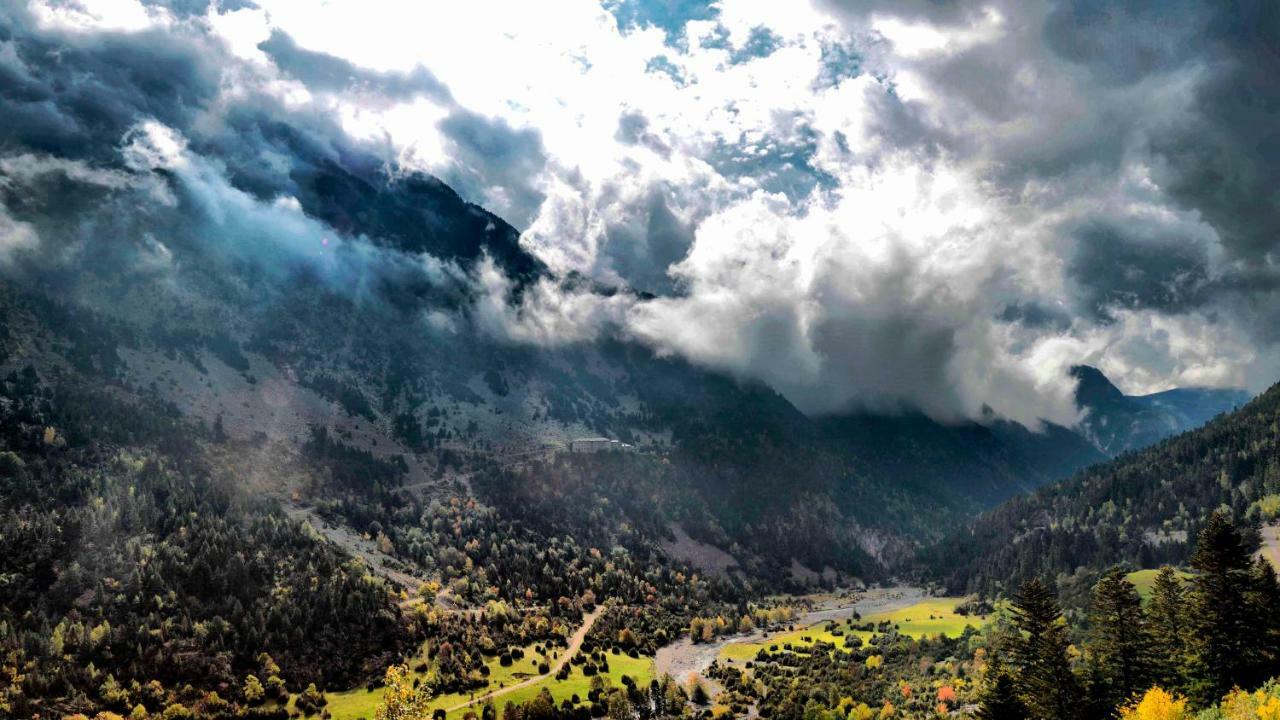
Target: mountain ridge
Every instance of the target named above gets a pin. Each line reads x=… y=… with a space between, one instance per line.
x=1116 y=423
x=1141 y=508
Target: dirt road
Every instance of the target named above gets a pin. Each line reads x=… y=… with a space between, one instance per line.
x=575 y=643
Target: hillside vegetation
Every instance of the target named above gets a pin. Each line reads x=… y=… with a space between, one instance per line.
x=1142 y=509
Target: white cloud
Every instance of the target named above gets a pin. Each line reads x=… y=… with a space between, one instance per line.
x=29 y=167
x=913 y=39
x=547 y=313
x=242 y=30
x=881 y=300
x=15 y=235
x=100 y=15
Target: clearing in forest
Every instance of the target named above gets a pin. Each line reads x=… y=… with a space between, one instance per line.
x=926 y=618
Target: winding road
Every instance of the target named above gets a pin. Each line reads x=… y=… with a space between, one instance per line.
x=575 y=642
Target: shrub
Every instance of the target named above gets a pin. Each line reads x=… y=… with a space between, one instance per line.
x=1156 y=704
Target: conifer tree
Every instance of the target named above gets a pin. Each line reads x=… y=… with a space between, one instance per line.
x=1120 y=640
x=1045 y=681
x=1264 y=616
x=1168 y=617
x=1223 y=636
x=999 y=698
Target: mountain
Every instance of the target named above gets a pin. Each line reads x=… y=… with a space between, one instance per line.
x=971 y=465
x=1116 y=423
x=379 y=349
x=1140 y=508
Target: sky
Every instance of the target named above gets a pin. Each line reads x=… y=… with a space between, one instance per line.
x=915 y=205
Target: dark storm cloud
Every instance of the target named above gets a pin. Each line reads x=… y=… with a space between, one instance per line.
x=64 y=95
x=1124 y=42
x=77 y=96
x=123 y=166
x=1221 y=158
x=1098 y=70
x=488 y=153
x=1226 y=163
x=633 y=129
x=1118 y=271
x=643 y=248
x=323 y=71
x=1036 y=315
x=1224 y=158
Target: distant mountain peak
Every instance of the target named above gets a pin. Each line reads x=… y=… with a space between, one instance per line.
x=1094 y=388
x=1117 y=423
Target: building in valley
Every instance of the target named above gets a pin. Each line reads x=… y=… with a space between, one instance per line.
x=597 y=444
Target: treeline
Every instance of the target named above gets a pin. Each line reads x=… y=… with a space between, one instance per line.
x=1199 y=638
x=1139 y=509
x=704 y=629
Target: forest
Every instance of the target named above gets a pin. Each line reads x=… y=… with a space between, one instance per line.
x=1143 y=508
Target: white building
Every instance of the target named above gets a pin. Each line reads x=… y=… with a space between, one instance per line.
x=597 y=444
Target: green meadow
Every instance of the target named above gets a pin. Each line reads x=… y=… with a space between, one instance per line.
x=361 y=703
x=1143 y=580
x=927 y=618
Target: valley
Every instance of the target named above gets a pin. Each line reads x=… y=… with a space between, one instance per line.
x=904 y=607
x=639 y=360
x=685 y=658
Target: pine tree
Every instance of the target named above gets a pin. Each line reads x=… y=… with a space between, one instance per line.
x=999 y=698
x=1096 y=690
x=1222 y=637
x=1168 y=617
x=1120 y=639
x=1264 y=616
x=1045 y=680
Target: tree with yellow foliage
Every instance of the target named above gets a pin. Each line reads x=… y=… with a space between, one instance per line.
x=1262 y=704
x=1156 y=704
x=402 y=701
x=861 y=711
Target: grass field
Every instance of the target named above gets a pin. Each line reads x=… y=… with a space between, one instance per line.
x=802 y=638
x=1144 y=579
x=927 y=618
x=360 y=703
x=638 y=669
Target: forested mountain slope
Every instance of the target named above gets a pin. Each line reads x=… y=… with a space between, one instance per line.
x=1140 y=508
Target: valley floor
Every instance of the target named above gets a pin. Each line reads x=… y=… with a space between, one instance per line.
x=908 y=608
x=684 y=658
